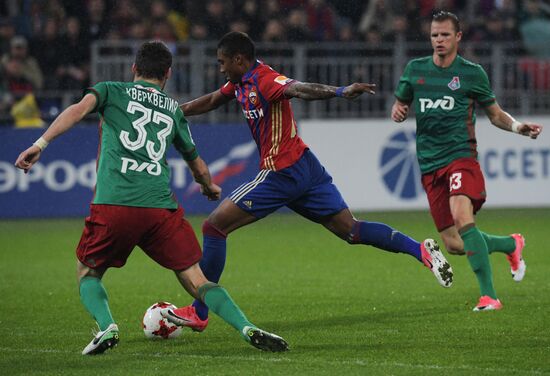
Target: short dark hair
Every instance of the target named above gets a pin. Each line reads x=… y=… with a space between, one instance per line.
x=153 y=60
x=442 y=15
x=236 y=42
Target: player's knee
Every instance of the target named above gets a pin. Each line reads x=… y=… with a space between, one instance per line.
x=209 y=229
x=85 y=271
x=462 y=220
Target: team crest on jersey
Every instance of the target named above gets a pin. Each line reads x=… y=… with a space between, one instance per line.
x=253 y=97
x=454 y=84
x=282 y=80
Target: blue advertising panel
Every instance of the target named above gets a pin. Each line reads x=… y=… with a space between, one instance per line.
x=62 y=183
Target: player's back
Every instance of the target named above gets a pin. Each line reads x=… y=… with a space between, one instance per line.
x=138 y=123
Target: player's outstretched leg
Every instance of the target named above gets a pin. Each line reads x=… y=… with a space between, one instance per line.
x=386 y=238
x=102 y=341
x=433 y=258
x=219 y=301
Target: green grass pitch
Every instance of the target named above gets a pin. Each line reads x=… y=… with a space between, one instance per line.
x=344 y=309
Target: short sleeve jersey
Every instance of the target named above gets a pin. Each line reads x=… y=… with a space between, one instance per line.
x=138 y=124
x=269 y=115
x=444 y=102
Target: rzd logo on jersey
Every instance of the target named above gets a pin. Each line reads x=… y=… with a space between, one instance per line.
x=153 y=167
x=445 y=103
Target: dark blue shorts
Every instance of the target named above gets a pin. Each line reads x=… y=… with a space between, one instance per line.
x=305 y=187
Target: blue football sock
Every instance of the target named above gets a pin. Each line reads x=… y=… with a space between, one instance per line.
x=212 y=262
x=384 y=237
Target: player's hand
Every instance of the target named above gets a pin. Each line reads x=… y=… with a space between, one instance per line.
x=356 y=89
x=28 y=158
x=212 y=191
x=530 y=129
x=399 y=112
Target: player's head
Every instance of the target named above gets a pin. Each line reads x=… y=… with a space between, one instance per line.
x=236 y=53
x=153 y=61
x=445 y=33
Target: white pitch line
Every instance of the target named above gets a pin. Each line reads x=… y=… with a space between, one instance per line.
x=352 y=362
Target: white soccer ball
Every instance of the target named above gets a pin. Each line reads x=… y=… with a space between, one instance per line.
x=156 y=326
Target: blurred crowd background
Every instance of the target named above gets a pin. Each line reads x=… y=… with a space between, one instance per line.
x=45 y=44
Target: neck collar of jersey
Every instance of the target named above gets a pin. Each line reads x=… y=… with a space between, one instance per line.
x=248 y=74
x=445 y=68
x=148 y=83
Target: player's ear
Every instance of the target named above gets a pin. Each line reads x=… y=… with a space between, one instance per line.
x=134 y=68
x=169 y=73
x=459 y=36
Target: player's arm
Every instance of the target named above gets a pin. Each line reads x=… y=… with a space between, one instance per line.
x=65 y=121
x=504 y=120
x=184 y=144
x=201 y=174
x=205 y=103
x=399 y=111
x=312 y=91
x=404 y=95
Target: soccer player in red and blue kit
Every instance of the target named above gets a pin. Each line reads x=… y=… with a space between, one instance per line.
x=290 y=174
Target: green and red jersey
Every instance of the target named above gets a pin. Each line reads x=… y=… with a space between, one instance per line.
x=138 y=124
x=444 y=101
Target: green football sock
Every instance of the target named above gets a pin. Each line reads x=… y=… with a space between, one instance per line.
x=478 y=257
x=219 y=301
x=504 y=244
x=94 y=298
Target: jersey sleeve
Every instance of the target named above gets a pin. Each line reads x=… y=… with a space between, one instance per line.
x=183 y=141
x=272 y=85
x=404 y=91
x=228 y=89
x=481 y=91
x=100 y=90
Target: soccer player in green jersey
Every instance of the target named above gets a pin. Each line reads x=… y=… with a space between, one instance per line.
x=443 y=88
x=133 y=203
